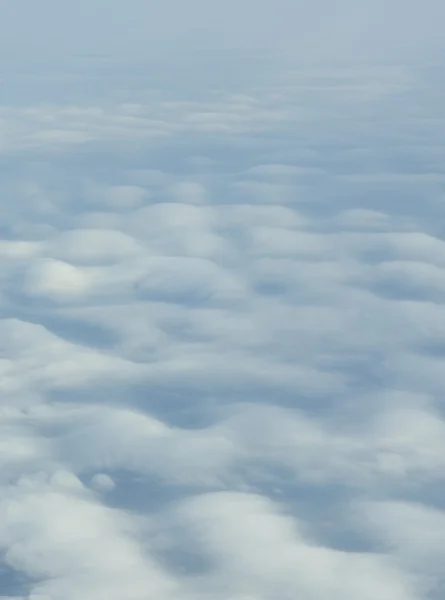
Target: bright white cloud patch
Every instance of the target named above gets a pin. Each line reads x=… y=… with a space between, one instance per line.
x=222 y=336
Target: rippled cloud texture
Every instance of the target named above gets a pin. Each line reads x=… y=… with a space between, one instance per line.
x=222 y=332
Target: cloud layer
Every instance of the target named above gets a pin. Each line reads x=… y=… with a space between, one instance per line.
x=222 y=338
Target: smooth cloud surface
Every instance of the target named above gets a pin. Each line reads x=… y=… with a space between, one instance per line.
x=222 y=335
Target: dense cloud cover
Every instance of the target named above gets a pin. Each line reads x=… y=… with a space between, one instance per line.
x=222 y=335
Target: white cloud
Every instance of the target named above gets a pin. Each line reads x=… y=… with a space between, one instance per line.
x=102 y=483
x=222 y=336
x=56 y=280
x=263 y=553
x=91 y=246
x=71 y=545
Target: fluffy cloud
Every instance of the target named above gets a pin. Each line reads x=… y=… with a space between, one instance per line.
x=221 y=341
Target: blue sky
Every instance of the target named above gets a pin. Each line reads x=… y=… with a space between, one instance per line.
x=222 y=318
